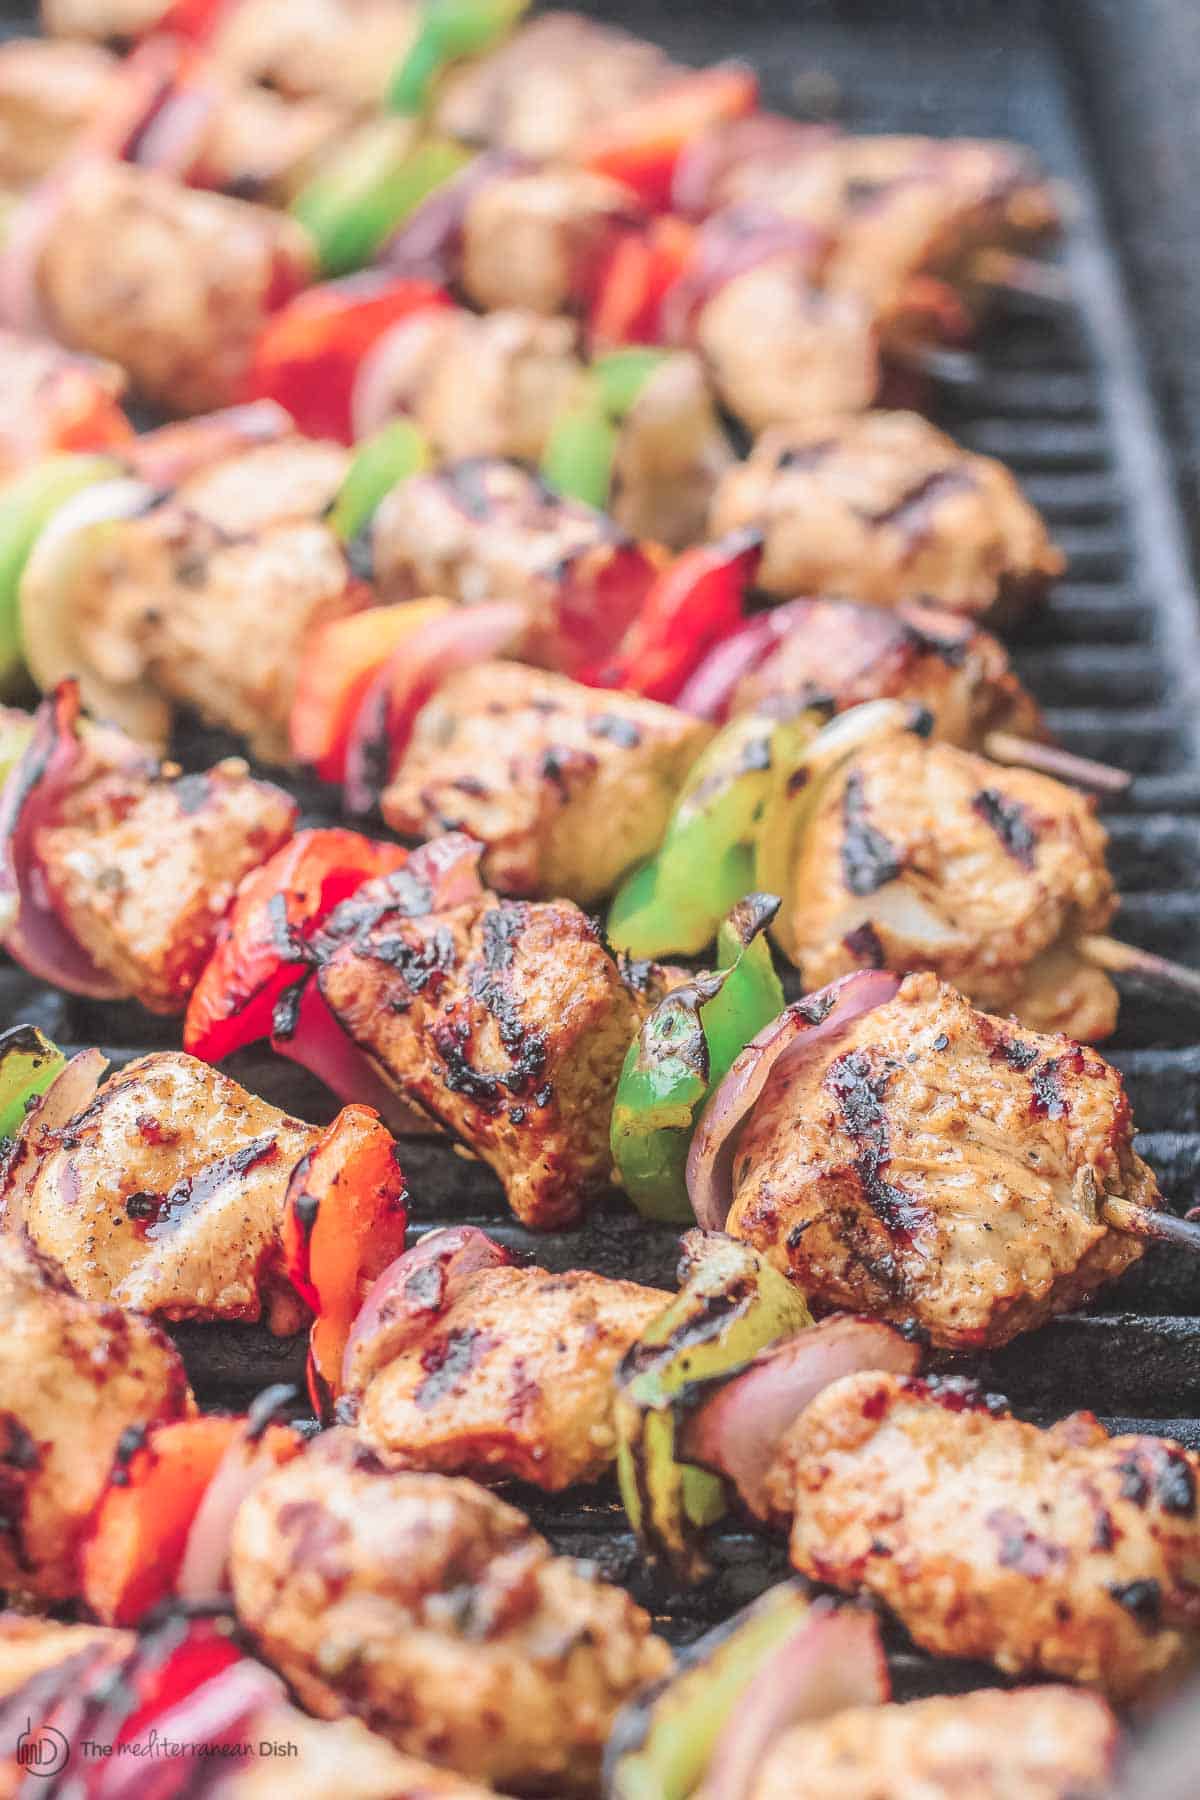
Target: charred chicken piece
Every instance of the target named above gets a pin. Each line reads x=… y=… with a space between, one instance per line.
x=1041 y=1743
x=505 y=1021
x=172 y=283
x=566 y=786
x=162 y=1190
x=490 y=530
x=554 y=78
x=939 y=1166
x=54 y=400
x=79 y=1382
x=842 y=651
x=920 y=855
x=536 y=239
x=886 y=509
x=141 y=862
x=1061 y=1552
x=513 y=1377
x=431 y=1609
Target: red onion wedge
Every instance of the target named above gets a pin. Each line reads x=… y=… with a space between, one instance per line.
x=170 y=454
x=65 y=1098
x=411 y=1294
x=315 y=1041
x=203 y=1577
x=54 y=763
x=834 y=1661
x=803 y=1029
x=218 y=1714
x=428 y=244
x=738 y=1431
x=709 y=690
x=384 y=722
x=728 y=245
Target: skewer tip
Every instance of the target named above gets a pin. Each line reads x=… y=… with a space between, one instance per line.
x=1155 y=971
x=1049 y=759
x=1151 y=1224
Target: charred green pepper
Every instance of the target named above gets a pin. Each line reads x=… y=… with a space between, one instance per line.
x=27 y=505
x=29 y=1063
x=448 y=31
x=683 y=1052
x=731 y=1305
x=582 y=447
x=707 y=858
x=368 y=188
x=399 y=450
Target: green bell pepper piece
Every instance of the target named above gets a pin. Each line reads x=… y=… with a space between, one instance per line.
x=29 y=1063
x=380 y=462
x=582 y=446
x=368 y=189
x=27 y=504
x=683 y=1053
x=707 y=858
x=448 y=31
x=732 y=1305
x=620 y=375
x=661 y=1745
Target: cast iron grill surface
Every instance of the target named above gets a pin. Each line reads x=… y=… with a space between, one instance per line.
x=1115 y=658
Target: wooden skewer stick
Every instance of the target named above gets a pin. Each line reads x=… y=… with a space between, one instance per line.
x=1147 y=1222
x=1024 y=280
x=1048 y=759
x=1155 y=971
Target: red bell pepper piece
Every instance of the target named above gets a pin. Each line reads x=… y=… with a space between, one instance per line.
x=344 y=1221
x=642 y=145
x=260 y=951
x=195 y=20
x=641 y=271
x=309 y=353
x=696 y=601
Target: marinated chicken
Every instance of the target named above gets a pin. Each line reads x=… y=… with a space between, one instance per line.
x=554 y=78
x=56 y=400
x=505 y=1021
x=918 y=855
x=842 y=651
x=937 y=1166
x=43 y=1665
x=1061 y=1552
x=490 y=530
x=513 y=1378
x=105 y=21
x=78 y=1381
x=885 y=508
x=345 y=51
x=142 y=863
x=537 y=238
x=432 y=1610
x=164 y=1192
x=172 y=283
x=1041 y=1743
x=48 y=93
x=566 y=786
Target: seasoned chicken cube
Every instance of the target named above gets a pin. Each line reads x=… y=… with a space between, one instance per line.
x=142 y=867
x=77 y=1381
x=536 y=239
x=919 y=855
x=514 y=1378
x=165 y=1193
x=173 y=283
x=54 y=400
x=260 y=146
x=1061 y=1552
x=670 y=454
x=106 y=21
x=264 y=484
x=488 y=385
x=885 y=508
x=937 y=1166
x=842 y=651
x=1042 y=1743
x=433 y=1610
x=346 y=51
x=505 y=1021
x=48 y=93
x=567 y=786
x=554 y=78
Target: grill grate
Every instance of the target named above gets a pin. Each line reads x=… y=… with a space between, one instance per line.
x=1115 y=657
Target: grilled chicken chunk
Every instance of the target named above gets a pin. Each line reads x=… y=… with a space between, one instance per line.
x=75 y=1378
x=505 y=1021
x=567 y=786
x=848 y=653
x=514 y=1377
x=885 y=508
x=1061 y=1552
x=670 y=455
x=172 y=283
x=1041 y=1743
x=346 y=51
x=48 y=93
x=435 y=1612
x=554 y=78
x=142 y=864
x=104 y=21
x=165 y=1193
x=920 y=855
x=52 y=395
x=937 y=1165
x=536 y=238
